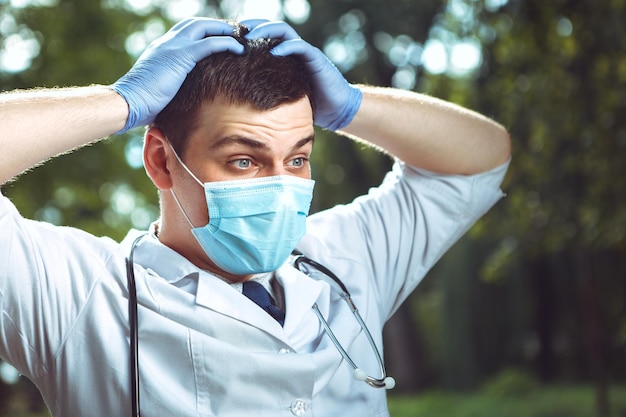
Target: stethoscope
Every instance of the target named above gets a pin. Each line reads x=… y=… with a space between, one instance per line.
x=383 y=382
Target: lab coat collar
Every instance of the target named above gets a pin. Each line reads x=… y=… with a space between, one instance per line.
x=301 y=292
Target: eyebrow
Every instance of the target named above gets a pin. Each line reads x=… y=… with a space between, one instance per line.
x=253 y=143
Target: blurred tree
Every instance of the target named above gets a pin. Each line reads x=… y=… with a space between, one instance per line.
x=555 y=74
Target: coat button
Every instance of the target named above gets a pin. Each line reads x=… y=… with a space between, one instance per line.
x=284 y=350
x=298 y=407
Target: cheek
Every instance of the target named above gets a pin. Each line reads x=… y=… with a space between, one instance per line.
x=198 y=208
x=192 y=198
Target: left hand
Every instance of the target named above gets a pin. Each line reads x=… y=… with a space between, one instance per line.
x=336 y=101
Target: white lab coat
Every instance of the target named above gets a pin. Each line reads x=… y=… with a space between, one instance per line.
x=204 y=348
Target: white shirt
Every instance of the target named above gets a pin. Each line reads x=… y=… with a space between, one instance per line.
x=204 y=348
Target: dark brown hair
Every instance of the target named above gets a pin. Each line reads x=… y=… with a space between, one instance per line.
x=256 y=78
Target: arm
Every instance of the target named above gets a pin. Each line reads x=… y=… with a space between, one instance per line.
x=40 y=124
x=423 y=131
x=429 y=133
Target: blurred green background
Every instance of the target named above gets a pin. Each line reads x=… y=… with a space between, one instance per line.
x=526 y=315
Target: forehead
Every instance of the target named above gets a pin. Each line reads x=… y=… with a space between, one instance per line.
x=218 y=120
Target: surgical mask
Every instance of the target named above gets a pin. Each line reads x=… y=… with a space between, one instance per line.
x=254 y=224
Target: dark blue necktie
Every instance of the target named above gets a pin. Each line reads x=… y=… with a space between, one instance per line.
x=257 y=293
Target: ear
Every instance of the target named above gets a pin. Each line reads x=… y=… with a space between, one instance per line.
x=156 y=155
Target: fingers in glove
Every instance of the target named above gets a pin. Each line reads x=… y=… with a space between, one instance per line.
x=253 y=23
x=277 y=30
x=202 y=27
x=215 y=44
x=300 y=47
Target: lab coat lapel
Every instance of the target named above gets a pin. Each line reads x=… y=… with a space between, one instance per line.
x=301 y=292
x=221 y=297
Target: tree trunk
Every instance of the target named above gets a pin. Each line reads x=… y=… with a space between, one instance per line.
x=545 y=310
x=592 y=330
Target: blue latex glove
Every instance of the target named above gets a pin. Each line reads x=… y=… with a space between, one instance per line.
x=336 y=101
x=159 y=72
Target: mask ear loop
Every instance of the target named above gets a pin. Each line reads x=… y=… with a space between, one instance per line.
x=180 y=206
x=180 y=161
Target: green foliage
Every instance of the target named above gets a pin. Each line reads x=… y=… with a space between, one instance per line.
x=554 y=74
x=544 y=401
x=510 y=383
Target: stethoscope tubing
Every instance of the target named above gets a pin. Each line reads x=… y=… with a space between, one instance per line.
x=133 y=330
x=383 y=381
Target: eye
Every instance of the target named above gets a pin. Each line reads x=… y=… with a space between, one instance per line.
x=299 y=162
x=242 y=163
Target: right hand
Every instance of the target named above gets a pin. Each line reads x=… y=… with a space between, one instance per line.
x=159 y=72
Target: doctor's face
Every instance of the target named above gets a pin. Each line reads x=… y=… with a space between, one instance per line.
x=238 y=142
x=229 y=142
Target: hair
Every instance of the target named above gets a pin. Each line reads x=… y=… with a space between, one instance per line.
x=257 y=78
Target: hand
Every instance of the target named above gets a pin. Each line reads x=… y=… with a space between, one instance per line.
x=336 y=101
x=159 y=72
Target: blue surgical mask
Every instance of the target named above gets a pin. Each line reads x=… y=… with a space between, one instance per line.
x=254 y=224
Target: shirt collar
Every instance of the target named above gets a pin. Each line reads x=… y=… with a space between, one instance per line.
x=158 y=258
x=175 y=268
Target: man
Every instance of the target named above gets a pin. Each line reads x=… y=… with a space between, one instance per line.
x=229 y=156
